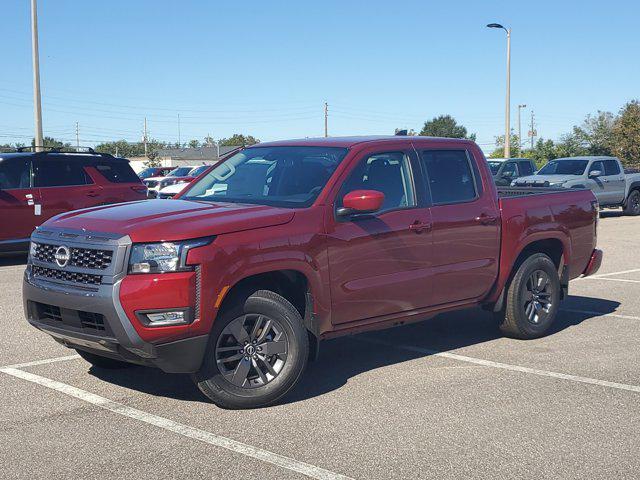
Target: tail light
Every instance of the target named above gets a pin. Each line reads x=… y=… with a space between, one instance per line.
x=596 y=212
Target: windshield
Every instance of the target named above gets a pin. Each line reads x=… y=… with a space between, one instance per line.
x=179 y=172
x=564 y=167
x=147 y=172
x=198 y=170
x=277 y=176
x=495 y=166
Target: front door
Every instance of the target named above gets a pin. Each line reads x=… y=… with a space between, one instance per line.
x=466 y=227
x=19 y=201
x=380 y=263
x=597 y=182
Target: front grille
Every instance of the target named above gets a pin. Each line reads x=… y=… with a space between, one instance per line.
x=80 y=257
x=94 y=321
x=65 y=275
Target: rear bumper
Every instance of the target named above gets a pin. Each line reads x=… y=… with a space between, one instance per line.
x=95 y=321
x=594 y=263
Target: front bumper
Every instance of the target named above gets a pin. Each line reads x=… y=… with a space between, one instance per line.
x=92 y=318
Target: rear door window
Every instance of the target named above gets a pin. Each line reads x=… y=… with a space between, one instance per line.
x=60 y=172
x=117 y=172
x=611 y=167
x=450 y=176
x=15 y=173
x=525 y=168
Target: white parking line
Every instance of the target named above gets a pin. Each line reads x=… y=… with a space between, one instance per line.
x=600 y=314
x=506 y=366
x=612 y=279
x=179 y=428
x=614 y=273
x=43 y=362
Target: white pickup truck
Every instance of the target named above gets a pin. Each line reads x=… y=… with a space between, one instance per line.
x=605 y=176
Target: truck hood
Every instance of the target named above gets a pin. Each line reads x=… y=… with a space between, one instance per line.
x=545 y=178
x=169 y=220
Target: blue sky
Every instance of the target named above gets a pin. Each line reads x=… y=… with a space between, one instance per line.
x=266 y=67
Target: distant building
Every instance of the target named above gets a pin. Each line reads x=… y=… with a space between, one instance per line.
x=175 y=157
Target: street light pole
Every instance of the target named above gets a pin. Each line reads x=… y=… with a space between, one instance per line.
x=507 y=129
x=37 y=102
x=520 y=107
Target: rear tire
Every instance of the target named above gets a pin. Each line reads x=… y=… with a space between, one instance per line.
x=103 y=362
x=257 y=352
x=633 y=204
x=532 y=298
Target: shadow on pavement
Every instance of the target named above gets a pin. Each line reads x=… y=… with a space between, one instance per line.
x=13 y=260
x=611 y=213
x=343 y=358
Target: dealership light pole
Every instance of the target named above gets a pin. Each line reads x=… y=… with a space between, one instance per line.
x=520 y=107
x=37 y=103
x=507 y=130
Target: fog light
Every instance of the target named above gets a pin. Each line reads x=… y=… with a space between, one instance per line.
x=161 y=319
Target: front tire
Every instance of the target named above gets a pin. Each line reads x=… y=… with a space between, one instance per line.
x=257 y=352
x=532 y=298
x=633 y=204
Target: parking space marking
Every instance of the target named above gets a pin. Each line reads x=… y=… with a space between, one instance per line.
x=507 y=366
x=626 y=280
x=612 y=274
x=600 y=314
x=179 y=428
x=43 y=362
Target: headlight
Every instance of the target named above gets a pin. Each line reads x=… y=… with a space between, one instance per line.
x=32 y=249
x=163 y=257
x=556 y=184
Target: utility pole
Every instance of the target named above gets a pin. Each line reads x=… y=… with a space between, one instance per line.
x=144 y=138
x=507 y=126
x=532 y=132
x=179 y=144
x=326 y=119
x=520 y=107
x=77 y=135
x=37 y=101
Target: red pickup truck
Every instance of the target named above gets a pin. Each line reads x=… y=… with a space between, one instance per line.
x=288 y=243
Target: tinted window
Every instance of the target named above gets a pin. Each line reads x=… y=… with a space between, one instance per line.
x=495 y=166
x=450 y=176
x=597 y=166
x=118 y=172
x=148 y=172
x=510 y=170
x=179 y=172
x=525 y=168
x=278 y=176
x=564 y=167
x=15 y=173
x=388 y=173
x=53 y=172
x=611 y=167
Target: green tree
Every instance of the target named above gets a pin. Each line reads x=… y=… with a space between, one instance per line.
x=194 y=143
x=626 y=134
x=237 y=140
x=445 y=126
x=596 y=133
x=50 y=142
x=514 y=147
x=571 y=145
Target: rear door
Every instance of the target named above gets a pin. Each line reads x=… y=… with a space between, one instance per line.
x=466 y=232
x=64 y=184
x=19 y=200
x=118 y=181
x=380 y=264
x=614 y=182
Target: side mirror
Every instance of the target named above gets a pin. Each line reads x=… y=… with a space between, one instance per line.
x=595 y=173
x=361 y=201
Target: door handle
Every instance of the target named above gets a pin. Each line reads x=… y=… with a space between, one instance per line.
x=419 y=227
x=92 y=194
x=485 y=219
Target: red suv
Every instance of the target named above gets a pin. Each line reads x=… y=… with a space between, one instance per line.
x=36 y=186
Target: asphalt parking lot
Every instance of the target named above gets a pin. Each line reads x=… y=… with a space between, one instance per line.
x=446 y=398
